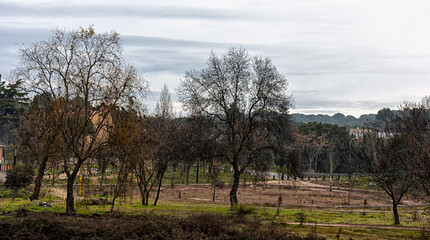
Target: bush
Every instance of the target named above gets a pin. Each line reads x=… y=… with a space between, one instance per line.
x=19 y=177
x=301 y=217
x=48 y=225
x=220 y=184
x=243 y=209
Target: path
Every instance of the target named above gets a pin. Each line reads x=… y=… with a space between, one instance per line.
x=362 y=226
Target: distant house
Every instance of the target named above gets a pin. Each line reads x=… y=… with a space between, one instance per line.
x=102 y=121
x=358 y=133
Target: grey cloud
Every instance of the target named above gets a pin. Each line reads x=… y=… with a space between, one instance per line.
x=315 y=59
x=117 y=10
x=318 y=102
x=154 y=54
x=146 y=41
x=10 y=41
x=16 y=36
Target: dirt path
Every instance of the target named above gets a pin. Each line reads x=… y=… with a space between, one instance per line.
x=385 y=227
x=61 y=193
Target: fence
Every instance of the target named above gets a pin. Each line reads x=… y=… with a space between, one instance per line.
x=5 y=167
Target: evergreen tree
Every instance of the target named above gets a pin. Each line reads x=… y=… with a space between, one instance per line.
x=13 y=102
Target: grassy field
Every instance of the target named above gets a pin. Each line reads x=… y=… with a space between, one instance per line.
x=307 y=208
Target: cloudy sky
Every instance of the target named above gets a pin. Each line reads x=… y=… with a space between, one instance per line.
x=346 y=56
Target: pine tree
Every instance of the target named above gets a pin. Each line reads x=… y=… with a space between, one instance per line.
x=13 y=102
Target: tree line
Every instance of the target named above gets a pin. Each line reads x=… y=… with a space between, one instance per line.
x=342 y=120
x=87 y=108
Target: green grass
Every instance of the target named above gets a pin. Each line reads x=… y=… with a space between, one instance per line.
x=412 y=217
x=332 y=216
x=184 y=209
x=361 y=183
x=355 y=233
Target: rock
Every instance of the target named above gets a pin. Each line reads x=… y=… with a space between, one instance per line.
x=35 y=202
x=2 y=177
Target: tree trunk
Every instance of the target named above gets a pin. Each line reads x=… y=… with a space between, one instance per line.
x=233 y=191
x=213 y=194
x=197 y=171
x=188 y=174
x=141 y=190
x=316 y=165
x=113 y=204
x=144 y=198
x=396 y=213
x=349 y=194
x=101 y=180
x=331 y=163
x=147 y=197
x=173 y=176
x=331 y=181
x=53 y=171
x=180 y=189
x=89 y=167
x=39 y=178
x=159 y=187
x=70 y=201
x=278 y=210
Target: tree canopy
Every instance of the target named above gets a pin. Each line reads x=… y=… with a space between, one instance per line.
x=238 y=91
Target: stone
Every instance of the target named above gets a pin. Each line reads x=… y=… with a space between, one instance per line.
x=35 y=202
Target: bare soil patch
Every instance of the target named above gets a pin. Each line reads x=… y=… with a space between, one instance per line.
x=295 y=193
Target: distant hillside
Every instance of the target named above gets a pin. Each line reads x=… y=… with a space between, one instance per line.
x=338 y=118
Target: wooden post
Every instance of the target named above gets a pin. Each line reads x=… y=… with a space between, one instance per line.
x=80 y=185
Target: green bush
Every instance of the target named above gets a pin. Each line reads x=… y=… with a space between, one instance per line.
x=301 y=217
x=19 y=177
x=243 y=209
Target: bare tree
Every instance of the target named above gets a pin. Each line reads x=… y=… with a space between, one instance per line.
x=165 y=128
x=281 y=129
x=133 y=143
x=40 y=138
x=387 y=164
x=86 y=76
x=144 y=163
x=413 y=122
x=352 y=167
x=313 y=147
x=236 y=90
x=123 y=142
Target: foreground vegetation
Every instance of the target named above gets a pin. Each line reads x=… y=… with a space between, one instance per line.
x=48 y=225
x=187 y=218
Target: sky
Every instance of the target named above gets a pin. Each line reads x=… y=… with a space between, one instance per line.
x=347 y=56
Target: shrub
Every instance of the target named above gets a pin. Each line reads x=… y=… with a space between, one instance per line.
x=47 y=225
x=301 y=217
x=243 y=209
x=220 y=184
x=19 y=177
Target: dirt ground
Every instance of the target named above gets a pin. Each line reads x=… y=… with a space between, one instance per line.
x=295 y=193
